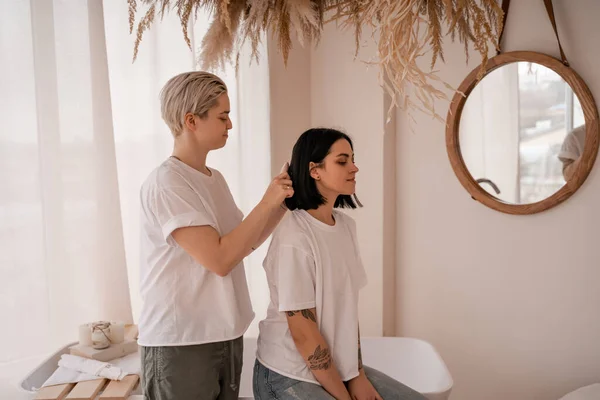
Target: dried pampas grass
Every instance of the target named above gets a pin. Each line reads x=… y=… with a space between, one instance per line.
x=405 y=30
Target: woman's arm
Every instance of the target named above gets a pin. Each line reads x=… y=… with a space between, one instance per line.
x=221 y=254
x=276 y=216
x=315 y=351
x=272 y=223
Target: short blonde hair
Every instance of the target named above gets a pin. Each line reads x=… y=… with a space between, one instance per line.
x=193 y=92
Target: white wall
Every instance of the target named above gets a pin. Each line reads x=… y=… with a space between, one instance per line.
x=511 y=302
x=290 y=101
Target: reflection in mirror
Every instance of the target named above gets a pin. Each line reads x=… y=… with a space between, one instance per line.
x=521 y=132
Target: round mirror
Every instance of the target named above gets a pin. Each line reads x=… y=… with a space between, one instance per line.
x=524 y=137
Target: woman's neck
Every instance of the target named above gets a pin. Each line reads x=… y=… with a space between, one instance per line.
x=324 y=213
x=188 y=152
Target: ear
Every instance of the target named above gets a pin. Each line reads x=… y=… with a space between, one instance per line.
x=314 y=173
x=189 y=121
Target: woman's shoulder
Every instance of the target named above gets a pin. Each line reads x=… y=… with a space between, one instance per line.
x=165 y=177
x=292 y=222
x=292 y=230
x=344 y=218
x=217 y=173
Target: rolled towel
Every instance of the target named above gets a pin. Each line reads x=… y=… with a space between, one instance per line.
x=91 y=367
x=130 y=364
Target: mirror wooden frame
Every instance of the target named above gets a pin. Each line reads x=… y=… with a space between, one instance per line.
x=592 y=133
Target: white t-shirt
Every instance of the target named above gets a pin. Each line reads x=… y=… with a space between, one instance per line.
x=183 y=302
x=572 y=147
x=312 y=265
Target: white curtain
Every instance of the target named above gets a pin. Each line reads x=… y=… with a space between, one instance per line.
x=80 y=129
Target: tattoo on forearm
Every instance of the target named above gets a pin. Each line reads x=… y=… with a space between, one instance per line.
x=305 y=313
x=320 y=359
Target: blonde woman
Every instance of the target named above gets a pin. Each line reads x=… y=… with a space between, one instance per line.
x=196 y=305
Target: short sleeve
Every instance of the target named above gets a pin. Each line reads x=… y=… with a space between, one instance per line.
x=180 y=207
x=571 y=148
x=296 y=279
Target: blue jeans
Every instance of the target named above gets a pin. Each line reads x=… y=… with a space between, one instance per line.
x=270 y=385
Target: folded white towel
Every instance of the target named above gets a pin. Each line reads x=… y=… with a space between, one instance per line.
x=91 y=367
x=72 y=369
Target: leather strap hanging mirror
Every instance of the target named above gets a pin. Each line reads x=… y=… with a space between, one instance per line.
x=524 y=137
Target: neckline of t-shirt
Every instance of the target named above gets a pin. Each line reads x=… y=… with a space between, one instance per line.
x=194 y=171
x=320 y=224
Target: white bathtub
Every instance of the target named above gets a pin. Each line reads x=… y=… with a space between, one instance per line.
x=411 y=361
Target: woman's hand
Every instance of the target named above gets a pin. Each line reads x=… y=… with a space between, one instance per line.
x=360 y=388
x=279 y=189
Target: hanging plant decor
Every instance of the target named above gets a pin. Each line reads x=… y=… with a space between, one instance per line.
x=404 y=31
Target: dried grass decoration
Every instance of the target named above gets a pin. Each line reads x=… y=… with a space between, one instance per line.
x=404 y=30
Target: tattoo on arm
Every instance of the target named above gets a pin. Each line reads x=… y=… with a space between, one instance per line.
x=320 y=359
x=305 y=313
